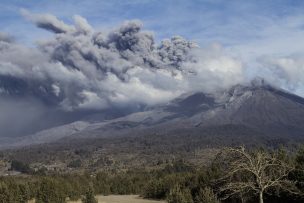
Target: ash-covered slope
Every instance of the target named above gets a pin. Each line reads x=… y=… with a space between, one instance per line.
x=258 y=106
x=242 y=112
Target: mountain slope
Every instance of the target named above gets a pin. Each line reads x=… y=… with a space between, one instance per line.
x=248 y=110
x=261 y=107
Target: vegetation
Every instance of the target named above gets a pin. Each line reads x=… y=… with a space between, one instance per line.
x=124 y=152
x=75 y=164
x=89 y=196
x=179 y=194
x=50 y=190
x=20 y=166
x=256 y=172
x=235 y=175
x=206 y=195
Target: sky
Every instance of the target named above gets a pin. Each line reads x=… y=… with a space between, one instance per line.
x=233 y=23
x=228 y=22
x=94 y=55
x=249 y=30
x=265 y=36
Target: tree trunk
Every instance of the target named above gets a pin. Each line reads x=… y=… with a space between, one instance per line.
x=261 y=197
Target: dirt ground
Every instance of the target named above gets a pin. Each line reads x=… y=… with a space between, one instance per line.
x=122 y=199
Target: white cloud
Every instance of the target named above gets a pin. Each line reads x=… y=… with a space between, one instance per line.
x=287 y=72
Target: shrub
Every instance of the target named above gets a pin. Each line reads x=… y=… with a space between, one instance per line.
x=155 y=190
x=179 y=195
x=50 y=191
x=75 y=163
x=206 y=195
x=20 y=166
x=89 y=197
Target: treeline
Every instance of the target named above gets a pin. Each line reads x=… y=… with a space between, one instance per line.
x=235 y=177
x=177 y=182
x=50 y=188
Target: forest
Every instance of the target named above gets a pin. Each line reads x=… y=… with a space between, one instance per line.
x=235 y=175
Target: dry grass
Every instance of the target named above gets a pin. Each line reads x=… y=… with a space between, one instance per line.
x=122 y=199
x=117 y=199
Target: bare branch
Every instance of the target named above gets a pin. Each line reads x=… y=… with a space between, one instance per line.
x=254 y=172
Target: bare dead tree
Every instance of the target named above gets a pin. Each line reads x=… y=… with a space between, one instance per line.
x=253 y=173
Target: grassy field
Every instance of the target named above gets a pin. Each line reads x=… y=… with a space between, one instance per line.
x=122 y=199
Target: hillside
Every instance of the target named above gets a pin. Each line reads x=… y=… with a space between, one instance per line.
x=257 y=112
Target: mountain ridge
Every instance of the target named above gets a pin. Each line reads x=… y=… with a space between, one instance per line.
x=259 y=106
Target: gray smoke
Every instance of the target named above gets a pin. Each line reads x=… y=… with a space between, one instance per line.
x=284 y=71
x=4 y=37
x=80 y=68
x=80 y=71
x=47 y=21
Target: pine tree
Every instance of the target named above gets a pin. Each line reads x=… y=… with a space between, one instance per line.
x=89 y=197
x=50 y=191
x=206 y=195
x=23 y=193
x=179 y=195
x=5 y=196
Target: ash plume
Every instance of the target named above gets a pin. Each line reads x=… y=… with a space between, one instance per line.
x=80 y=68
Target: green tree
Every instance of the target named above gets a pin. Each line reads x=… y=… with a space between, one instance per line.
x=75 y=163
x=206 y=195
x=20 y=166
x=102 y=183
x=155 y=189
x=23 y=194
x=298 y=174
x=89 y=196
x=50 y=191
x=179 y=195
x=5 y=196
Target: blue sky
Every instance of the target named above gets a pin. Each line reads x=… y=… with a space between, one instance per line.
x=229 y=22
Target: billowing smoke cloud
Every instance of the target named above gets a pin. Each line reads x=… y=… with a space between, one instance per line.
x=287 y=72
x=4 y=37
x=80 y=68
x=47 y=21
